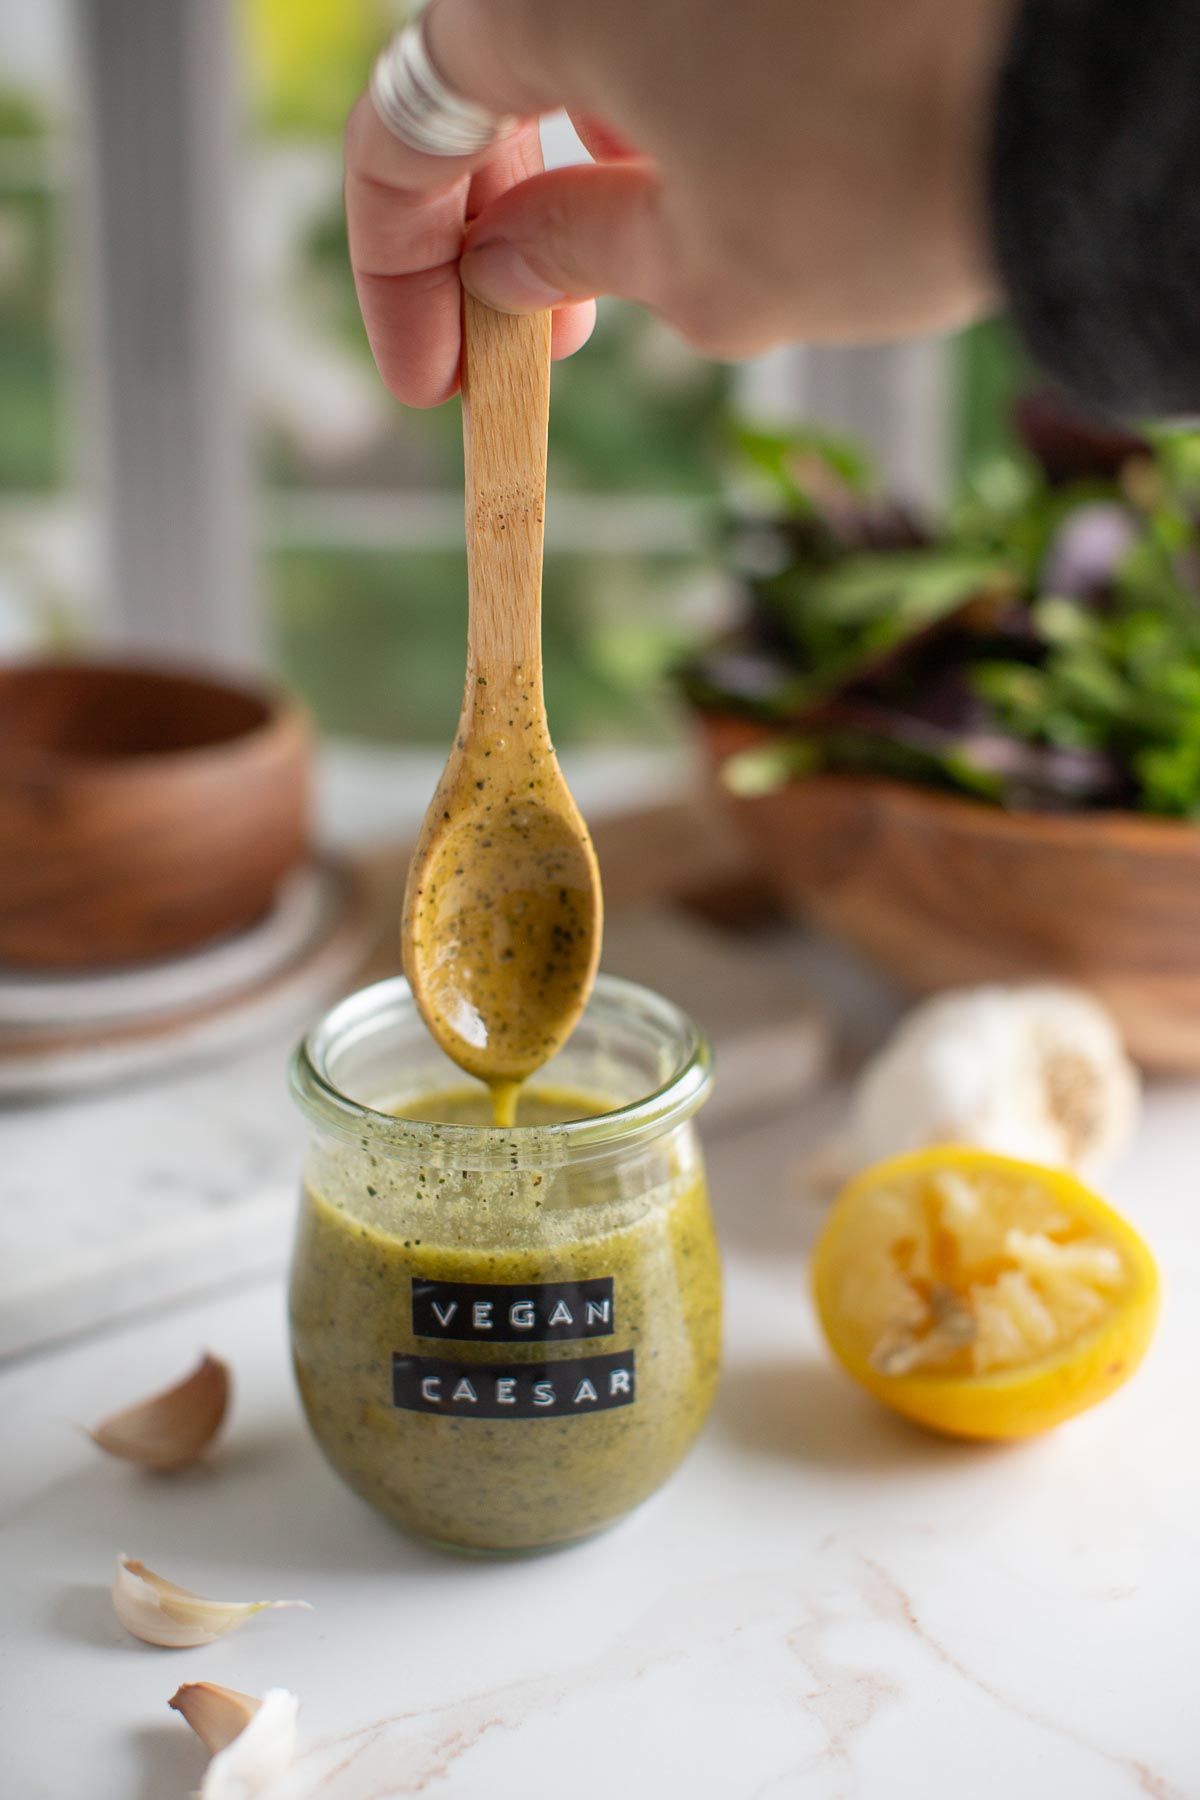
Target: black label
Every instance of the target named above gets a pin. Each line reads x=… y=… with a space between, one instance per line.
x=473 y=1312
x=476 y=1390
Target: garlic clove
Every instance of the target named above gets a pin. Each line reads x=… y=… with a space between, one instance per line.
x=252 y=1742
x=216 y=1714
x=171 y=1429
x=159 y=1612
x=259 y=1755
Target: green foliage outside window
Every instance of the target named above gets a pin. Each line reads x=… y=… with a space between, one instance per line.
x=377 y=640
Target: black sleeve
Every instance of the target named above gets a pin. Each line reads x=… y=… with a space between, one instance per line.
x=1095 y=197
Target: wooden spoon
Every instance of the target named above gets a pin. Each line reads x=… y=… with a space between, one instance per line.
x=502 y=911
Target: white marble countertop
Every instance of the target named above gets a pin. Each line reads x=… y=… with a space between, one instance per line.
x=823 y=1603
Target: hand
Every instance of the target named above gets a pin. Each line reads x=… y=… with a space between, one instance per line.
x=764 y=171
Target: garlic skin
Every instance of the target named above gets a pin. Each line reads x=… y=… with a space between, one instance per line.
x=216 y=1714
x=170 y=1429
x=159 y=1612
x=1035 y=1071
x=253 y=1741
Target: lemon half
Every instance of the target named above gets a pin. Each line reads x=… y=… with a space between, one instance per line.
x=981 y=1296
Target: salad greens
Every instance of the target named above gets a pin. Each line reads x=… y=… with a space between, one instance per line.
x=1040 y=649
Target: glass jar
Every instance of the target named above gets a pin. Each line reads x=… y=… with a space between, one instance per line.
x=505 y=1339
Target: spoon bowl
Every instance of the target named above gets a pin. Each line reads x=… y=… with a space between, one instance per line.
x=505 y=936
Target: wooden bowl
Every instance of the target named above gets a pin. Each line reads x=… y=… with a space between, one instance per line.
x=940 y=891
x=143 y=811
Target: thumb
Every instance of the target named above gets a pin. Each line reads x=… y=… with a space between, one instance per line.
x=569 y=235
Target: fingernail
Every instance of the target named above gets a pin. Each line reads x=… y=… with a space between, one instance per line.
x=498 y=274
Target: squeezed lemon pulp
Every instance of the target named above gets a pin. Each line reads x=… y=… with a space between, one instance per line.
x=958 y=1275
x=982 y=1296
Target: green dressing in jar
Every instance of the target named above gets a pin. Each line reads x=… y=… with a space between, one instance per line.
x=505 y=1339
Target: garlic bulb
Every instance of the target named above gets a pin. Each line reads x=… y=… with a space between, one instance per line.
x=159 y=1612
x=171 y=1429
x=252 y=1741
x=1036 y=1072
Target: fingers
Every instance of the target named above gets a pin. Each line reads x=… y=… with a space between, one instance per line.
x=608 y=229
x=497 y=52
x=405 y=243
x=601 y=140
x=570 y=328
x=406 y=212
x=475 y=48
x=404 y=247
x=516 y=160
x=572 y=232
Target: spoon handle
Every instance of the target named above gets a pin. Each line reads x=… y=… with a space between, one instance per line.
x=506 y=405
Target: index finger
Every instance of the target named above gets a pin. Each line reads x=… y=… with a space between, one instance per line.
x=405 y=226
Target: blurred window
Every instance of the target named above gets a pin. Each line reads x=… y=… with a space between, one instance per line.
x=360 y=573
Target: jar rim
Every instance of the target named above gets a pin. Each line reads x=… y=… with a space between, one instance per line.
x=674 y=1100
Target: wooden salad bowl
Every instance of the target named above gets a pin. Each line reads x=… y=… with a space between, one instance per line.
x=939 y=891
x=143 y=811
